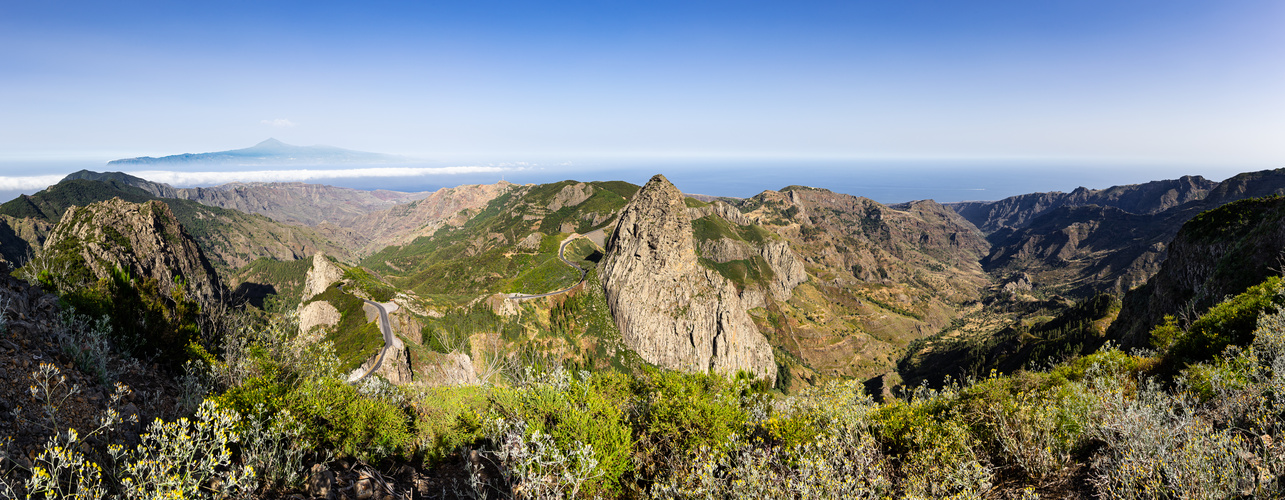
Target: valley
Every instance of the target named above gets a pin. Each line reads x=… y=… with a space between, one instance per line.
x=788 y=292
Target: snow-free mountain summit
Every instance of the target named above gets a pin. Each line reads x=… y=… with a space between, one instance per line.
x=269 y=152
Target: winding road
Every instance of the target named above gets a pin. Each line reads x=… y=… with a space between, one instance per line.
x=385 y=327
x=386 y=307
x=583 y=272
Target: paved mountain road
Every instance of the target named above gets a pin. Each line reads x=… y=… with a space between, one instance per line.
x=385 y=327
x=562 y=247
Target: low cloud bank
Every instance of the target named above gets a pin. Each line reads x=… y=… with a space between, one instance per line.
x=29 y=182
x=32 y=183
x=305 y=175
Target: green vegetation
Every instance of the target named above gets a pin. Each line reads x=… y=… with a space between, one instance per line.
x=713 y=227
x=1054 y=332
x=693 y=202
x=371 y=285
x=754 y=270
x=1106 y=423
x=482 y=255
x=583 y=252
x=1231 y=322
x=549 y=275
x=742 y=272
x=451 y=332
x=354 y=338
x=285 y=277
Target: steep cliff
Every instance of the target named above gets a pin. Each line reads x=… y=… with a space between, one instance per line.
x=144 y=239
x=20 y=239
x=322 y=274
x=1147 y=198
x=670 y=310
x=1218 y=253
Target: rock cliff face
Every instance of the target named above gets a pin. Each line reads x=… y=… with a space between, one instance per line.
x=1218 y=253
x=570 y=195
x=395 y=368
x=670 y=310
x=1148 y=198
x=317 y=314
x=320 y=277
x=402 y=223
x=20 y=238
x=144 y=239
x=788 y=270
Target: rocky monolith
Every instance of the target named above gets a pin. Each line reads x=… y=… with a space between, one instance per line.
x=670 y=310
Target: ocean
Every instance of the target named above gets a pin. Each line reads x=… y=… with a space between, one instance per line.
x=885 y=181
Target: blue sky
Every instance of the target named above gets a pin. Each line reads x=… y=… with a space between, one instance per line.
x=1191 y=86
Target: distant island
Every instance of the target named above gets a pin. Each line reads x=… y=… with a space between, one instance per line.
x=269 y=152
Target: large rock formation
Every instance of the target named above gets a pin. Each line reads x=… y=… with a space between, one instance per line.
x=143 y=239
x=20 y=238
x=670 y=310
x=317 y=314
x=323 y=274
x=788 y=271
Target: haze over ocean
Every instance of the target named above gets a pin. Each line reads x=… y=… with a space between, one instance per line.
x=886 y=181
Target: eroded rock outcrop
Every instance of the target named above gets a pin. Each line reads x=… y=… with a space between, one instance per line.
x=317 y=314
x=323 y=274
x=670 y=310
x=396 y=365
x=143 y=239
x=20 y=239
x=787 y=270
x=570 y=195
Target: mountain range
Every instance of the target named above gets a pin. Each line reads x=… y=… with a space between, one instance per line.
x=266 y=153
x=1042 y=338
x=837 y=285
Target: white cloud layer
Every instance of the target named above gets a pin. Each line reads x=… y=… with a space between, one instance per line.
x=279 y=123
x=33 y=183
x=29 y=183
x=304 y=175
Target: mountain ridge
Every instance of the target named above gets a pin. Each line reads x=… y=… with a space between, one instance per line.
x=268 y=152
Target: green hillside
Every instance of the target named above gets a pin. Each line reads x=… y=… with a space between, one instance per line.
x=229 y=238
x=486 y=254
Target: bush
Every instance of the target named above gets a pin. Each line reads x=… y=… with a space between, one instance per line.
x=932 y=444
x=679 y=413
x=571 y=420
x=1230 y=322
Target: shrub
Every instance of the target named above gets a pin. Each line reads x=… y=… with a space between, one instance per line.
x=1157 y=446
x=341 y=419
x=179 y=459
x=582 y=418
x=679 y=413
x=932 y=444
x=1230 y=322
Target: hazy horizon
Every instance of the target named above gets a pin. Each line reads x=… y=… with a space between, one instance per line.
x=885 y=181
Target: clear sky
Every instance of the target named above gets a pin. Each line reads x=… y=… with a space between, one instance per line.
x=1199 y=85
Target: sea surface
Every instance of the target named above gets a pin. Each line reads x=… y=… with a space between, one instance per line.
x=890 y=181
